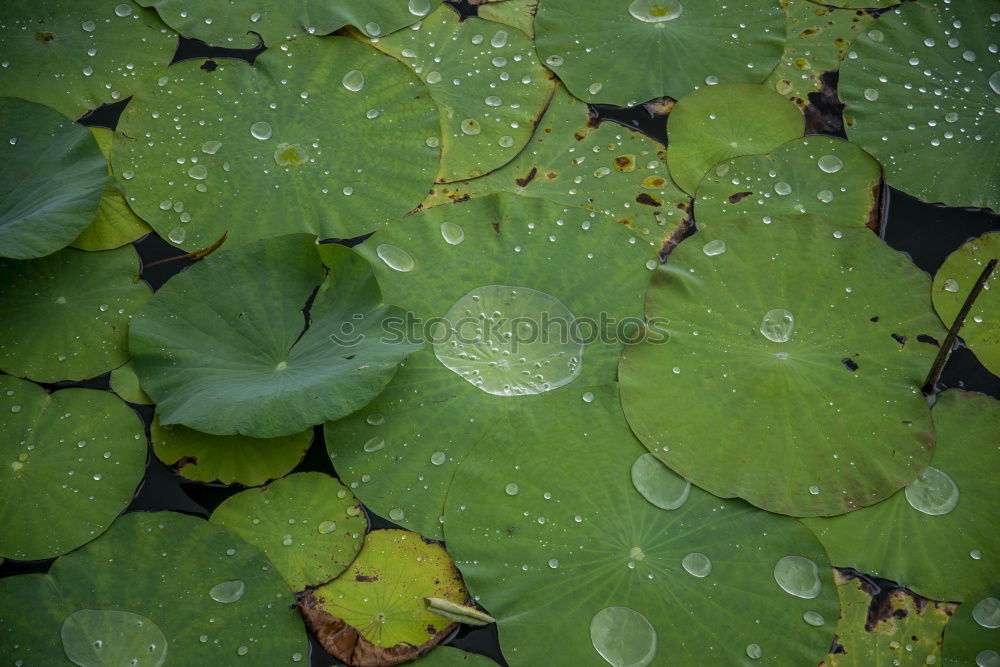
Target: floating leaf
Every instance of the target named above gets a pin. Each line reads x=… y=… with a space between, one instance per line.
x=821 y=176
x=66 y=316
x=72 y=461
x=962 y=539
x=75 y=55
x=883 y=624
x=816 y=40
x=629 y=53
x=585 y=276
x=222 y=348
x=486 y=81
x=309 y=525
x=952 y=284
x=825 y=371
x=115 y=224
x=170 y=563
x=245 y=130
x=230 y=459
x=518 y=14
x=716 y=123
x=125 y=383
x=577 y=553
x=972 y=637
x=375 y=612
x=447 y=656
x=932 y=69
x=243 y=23
x=574 y=161
x=50 y=180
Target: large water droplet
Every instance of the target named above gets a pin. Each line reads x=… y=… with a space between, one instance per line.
x=655 y=11
x=798 y=576
x=813 y=618
x=453 y=234
x=831 y=164
x=493 y=338
x=995 y=82
x=123 y=9
x=471 y=127
x=754 y=651
x=395 y=258
x=714 y=247
x=354 y=80
x=92 y=637
x=211 y=147
x=499 y=39
x=326 y=527
x=987 y=613
x=227 y=592
x=777 y=325
x=623 y=637
x=177 y=235
x=932 y=492
x=198 y=172
x=988 y=658
x=512 y=489
x=659 y=484
x=261 y=130
x=871 y=94
x=419 y=7
x=697 y=565
x=782 y=188
x=375 y=444
x=438 y=458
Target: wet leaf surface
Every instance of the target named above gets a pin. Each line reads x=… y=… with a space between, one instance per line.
x=972 y=637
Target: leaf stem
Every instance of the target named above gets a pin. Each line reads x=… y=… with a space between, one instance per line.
x=942 y=357
x=197 y=254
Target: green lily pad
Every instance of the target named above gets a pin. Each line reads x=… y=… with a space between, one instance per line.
x=309 y=525
x=75 y=55
x=961 y=539
x=400 y=452
x=50 y=181
x=518 y=14
x=938 y=83
x=972 y=637
x=66 y=316
x=817 y=176
x=171 y=563
x=71 y=463
x=715 y=123
x=125 y=383
x=952 y=284
x=448 y=656
x=244 y=23
x=886 y=626
x=486 y=81
x=554 y=541
x=808 y=390
x=230 y=459
x=374 y=613
x=611 y=170
x=635 y=51
x=115 y=224
x=244 y=130
x=225 y=349
x=817 y=38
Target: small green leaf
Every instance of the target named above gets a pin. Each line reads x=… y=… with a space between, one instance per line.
x=459 y=613
x=308 y=524
x=125 y=383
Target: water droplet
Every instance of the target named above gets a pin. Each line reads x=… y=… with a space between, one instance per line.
x=493 y=101
x=623 y=637
x=177 y=235
x=798 y=576
x=697 y=564
x=375 y=419
x=777 y=325
x=88 y=26
x=825 y=196
x=506 y=141
x=198 y=172
x=211 y=147
x=432 y=142
x=553 y=563
x=932 y=492
x=261 y=130
x=354 y=80
x=106 y=637
x=471 y=127
x=288 y=541
x=985 y=658
x=831 y=164
x=876 y=35
x=499 y=39
x=595 y=88
x=588 y=397
x=375 y=444
x=123 y=9
x=814 y=490
x=396 y=514
x=754 y=651
x=871 y=94
x=975 y=554
x=452 y=234
x=659 y=484
x=655 y=11
x=950 y=285
x=419 y=7
x=813 y=618
x=243 y=650
x=15 y=408
x=438 y=458
x=782 y=188
x=512 y=489
x=987 y=612
x=395 y=258
x=433 y=77
x=714 y=247
x=554 y=60
x=227 y=592
x=995 y=82
x=373 y=29
x=290 y=155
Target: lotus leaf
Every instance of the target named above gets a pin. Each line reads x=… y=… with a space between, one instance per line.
x=225 y=349
x=971 y=637
x=518 y=14
x=125 y=383
x=807 y=389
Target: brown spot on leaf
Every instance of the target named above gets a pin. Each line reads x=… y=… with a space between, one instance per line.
x=496 y=226
x=45 y=36
x=580 y=135
x=625 y=163
x=737 y=197
x=365 y=578
x=654 y=182
x=648 y=200
x=527 y=179
x=681 y=231
x=551 y=174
